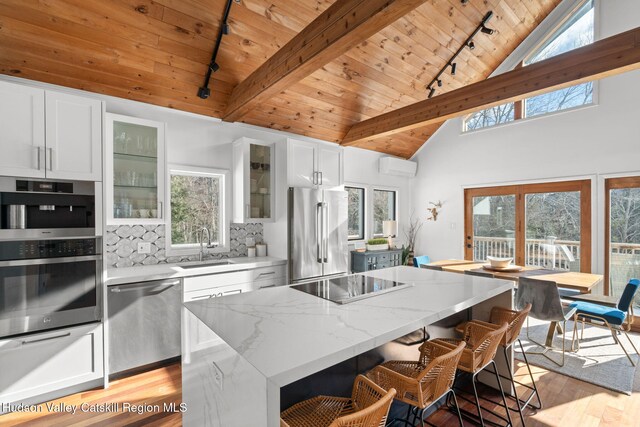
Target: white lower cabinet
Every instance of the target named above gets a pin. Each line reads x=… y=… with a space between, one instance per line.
x=223 y=284
x=43 y=363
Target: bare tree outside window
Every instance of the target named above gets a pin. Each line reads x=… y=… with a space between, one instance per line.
x=575 y=32
x=355 y=213
x=384 y=208
x=195 y=203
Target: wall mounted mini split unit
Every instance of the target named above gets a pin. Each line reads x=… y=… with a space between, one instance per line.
x=398 y=167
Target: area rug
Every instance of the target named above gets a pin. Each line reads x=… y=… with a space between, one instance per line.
x=599 y=361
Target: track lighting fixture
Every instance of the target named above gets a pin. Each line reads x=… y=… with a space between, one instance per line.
x=482 y=27
x=204 y=92
x=486 y=30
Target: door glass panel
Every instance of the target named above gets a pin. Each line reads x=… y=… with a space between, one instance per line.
x=260 y=181
x=135 y=171
x=355 y=213
x=624 y=245
x=494 y=225
x=553 y=230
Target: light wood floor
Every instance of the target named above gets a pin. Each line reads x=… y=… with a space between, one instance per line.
x=567 y=403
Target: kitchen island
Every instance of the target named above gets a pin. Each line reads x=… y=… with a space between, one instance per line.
x=239 y=351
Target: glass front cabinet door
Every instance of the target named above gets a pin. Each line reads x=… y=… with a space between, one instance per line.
x=135 y=170
x=253 y=181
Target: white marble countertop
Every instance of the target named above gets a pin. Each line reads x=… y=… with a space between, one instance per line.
x=119 y=276
x=287 y=334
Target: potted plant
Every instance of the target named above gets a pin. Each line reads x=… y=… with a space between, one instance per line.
x=377 y=244
x=411 y=234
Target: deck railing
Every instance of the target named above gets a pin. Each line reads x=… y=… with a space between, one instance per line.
x=547 y=253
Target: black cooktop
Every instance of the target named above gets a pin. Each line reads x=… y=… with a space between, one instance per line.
x=343 y=290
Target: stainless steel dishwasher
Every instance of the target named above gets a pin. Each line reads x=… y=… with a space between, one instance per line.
x=144 y=323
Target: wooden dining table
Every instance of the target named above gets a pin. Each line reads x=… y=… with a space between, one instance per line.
x=582 y=282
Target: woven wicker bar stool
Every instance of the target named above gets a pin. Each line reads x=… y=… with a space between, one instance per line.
x=515 y=320
x=481 y=345
x=368 y=407
x=422 y=383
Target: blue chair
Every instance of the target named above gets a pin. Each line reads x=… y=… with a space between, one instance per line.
x=421 y=260
x=616 y=319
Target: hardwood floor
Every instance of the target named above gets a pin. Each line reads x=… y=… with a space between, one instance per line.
x=567 y=403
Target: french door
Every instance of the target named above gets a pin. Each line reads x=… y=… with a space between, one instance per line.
x=622 y=235
x=546 y=225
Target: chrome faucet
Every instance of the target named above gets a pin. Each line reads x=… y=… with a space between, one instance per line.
x=209 y=245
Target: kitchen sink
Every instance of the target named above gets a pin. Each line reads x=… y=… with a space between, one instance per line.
x=206 y=264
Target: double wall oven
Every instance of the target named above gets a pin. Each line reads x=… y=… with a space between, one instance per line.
x=50 y=256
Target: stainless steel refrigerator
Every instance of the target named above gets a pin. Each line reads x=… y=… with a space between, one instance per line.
x=318 y=245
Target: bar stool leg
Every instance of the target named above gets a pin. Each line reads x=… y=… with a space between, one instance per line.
x=504 y=399
x=513 y=384
x=455 y=401
x=533 y=381
x=475 y=394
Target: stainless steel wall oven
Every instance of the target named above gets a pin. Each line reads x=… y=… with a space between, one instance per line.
x=50 y=256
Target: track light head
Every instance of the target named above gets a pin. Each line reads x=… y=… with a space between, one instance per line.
x=464 y=1
x=432 y=91
x=204 y=92
x=453 y=69
x=471 y=45
x=439 y=83
x=486 y=30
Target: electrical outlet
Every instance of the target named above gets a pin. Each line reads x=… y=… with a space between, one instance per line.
x=144 y=247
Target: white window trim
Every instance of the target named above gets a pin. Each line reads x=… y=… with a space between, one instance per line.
x=364 y=213
x=533 y=43
x=225 y=213
x=397 y=204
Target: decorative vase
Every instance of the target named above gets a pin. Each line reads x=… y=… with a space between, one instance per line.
x=410 y=258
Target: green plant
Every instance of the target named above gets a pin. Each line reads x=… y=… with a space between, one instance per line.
x=377 y=241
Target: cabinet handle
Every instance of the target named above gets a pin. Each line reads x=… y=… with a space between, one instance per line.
x=38 y=156
x=50 y=157
x=161 y=210
x=315 y=178
x=201 y=297
x=25 y=342
x=320 y=173
x=266 y=274
x=268 y=286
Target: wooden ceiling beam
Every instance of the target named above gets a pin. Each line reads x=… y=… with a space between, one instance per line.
x=613 y=55
x=337 y=30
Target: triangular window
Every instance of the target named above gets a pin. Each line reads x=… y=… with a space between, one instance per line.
x=575 y=31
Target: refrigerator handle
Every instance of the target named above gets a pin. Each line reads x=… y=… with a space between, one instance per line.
x=319 y=232
x=325 y=232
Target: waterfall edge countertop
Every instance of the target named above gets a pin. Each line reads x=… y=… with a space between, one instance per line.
x=287 y=334
x=120 y=276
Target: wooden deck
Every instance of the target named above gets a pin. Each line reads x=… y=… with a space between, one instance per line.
x=567 y=403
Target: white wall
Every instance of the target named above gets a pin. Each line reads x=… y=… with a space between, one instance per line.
x=593 y=142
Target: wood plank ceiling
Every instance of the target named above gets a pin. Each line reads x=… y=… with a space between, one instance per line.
x=157 y=51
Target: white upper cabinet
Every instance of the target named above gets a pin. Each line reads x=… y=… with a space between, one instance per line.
x=47 y=134
x=302 y=164
x=21 y=131
x=74 y=137
x=134 y=170
x=253 y=181
x=315 y=165
x=330 y=166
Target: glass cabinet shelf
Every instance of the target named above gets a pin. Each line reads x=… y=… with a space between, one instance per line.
x=136 y=170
